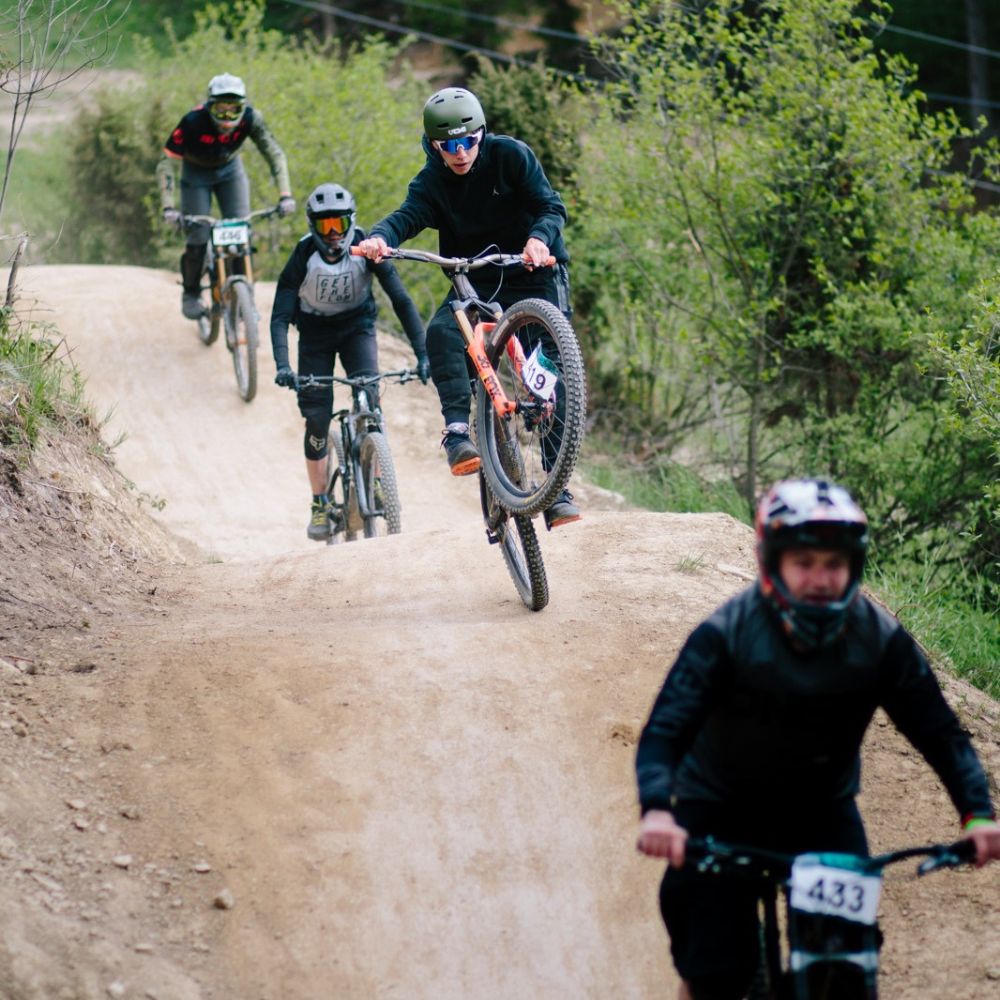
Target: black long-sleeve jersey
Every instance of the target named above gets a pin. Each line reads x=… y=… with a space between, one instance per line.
x=337 y=294
x=745 y=720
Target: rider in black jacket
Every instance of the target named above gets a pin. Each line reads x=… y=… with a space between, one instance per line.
x=755 y=736
x=327 y=293
x=482 y=193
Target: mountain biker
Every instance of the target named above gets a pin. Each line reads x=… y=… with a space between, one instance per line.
x=479 y=190
x=207 y=140
x=327 y=294
x=755 y=736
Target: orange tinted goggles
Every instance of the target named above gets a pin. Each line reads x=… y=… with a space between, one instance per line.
x=332 y=225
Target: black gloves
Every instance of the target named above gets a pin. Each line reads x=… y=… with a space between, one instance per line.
x=285 y=377
x=423 y=368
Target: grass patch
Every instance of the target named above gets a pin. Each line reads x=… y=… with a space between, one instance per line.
x=959 y=635
x=37 y=387
x=665 y=487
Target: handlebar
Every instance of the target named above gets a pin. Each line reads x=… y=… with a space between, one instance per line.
x=722 y=858
x=457 y=263
x=211 y=220
x=357 y=381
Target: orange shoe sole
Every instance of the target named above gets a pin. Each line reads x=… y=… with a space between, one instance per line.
x=564 y=520
x=467 y=467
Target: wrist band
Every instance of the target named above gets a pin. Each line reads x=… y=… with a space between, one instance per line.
x=976 y=822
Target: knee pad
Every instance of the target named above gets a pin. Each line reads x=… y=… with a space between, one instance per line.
x=315 y=441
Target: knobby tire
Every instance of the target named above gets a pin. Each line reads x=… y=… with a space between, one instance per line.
x=519 y=546
x=336 y=490
x=527 y=463
x=209 y=324
x=241 y=335
x=379 y=478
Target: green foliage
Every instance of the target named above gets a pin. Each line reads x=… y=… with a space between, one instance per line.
x=666 y=486
x=36 y=384
x=964 y=634
x=766 y=249
x=115 y=149
x=532 y=105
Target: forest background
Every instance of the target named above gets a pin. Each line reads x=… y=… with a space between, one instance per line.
x=783 y=228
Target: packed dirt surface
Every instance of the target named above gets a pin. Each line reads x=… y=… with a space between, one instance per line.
x=239 y=765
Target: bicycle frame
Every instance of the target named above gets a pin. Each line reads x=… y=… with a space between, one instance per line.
x=830 y=902
x=474 y=332
x=218 y=254
x=356 y=421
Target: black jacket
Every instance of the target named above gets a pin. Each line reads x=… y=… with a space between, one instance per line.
x=744 y=720
x=503 y=200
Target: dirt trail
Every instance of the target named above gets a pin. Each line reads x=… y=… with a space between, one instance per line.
x=411 y=786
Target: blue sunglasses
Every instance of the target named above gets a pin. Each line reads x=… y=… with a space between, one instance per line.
x=466 y=142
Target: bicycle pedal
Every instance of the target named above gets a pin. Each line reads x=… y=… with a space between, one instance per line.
x=492 y=537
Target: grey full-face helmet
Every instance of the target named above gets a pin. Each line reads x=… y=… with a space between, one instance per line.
x=331 y=211
x=452 y=113
x=226 y=100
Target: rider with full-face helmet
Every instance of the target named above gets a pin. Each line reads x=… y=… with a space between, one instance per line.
x=481 y=192
x=207 y=141
x=327 y=293
x=755 y=736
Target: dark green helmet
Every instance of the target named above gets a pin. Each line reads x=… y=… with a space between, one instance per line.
x=451 y=113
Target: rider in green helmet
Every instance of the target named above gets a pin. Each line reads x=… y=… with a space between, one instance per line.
x=481 y=192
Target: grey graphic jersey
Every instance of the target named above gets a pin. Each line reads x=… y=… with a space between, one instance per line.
x=330 y=289
x=338 y=295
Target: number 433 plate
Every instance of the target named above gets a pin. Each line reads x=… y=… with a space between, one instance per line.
x=818 y=887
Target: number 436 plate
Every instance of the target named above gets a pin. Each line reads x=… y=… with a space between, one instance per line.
x=837 y=892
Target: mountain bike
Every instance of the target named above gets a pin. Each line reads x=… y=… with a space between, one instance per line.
x=229 y=268
x=360 y=475
x=531 y=404
x=831 y=937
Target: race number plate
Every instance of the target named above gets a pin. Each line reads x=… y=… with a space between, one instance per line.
x=539 y=374
x=835 y=892
x=233 y=233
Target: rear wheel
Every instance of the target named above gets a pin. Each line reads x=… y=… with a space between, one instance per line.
x=336 y=490
x=515 y=534
x=529 y=456
x=379 y=474
x=241 y=338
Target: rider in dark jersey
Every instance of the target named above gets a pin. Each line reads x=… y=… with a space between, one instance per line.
x=481 y=192
x=755 y=736
x=327 y=294
x=207 y=140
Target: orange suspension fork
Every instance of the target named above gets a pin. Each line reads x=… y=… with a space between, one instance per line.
x=475 y=345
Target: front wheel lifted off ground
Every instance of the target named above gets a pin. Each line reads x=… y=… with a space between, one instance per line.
x=528 y=458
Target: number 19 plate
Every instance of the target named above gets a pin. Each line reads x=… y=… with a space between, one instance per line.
x=835 y=892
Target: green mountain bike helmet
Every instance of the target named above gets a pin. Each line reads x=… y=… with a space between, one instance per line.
x=226 y=100
x=451 y=113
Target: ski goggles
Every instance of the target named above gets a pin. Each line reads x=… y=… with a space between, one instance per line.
x=332 y=225
x=227 y=111
x=466 y=142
